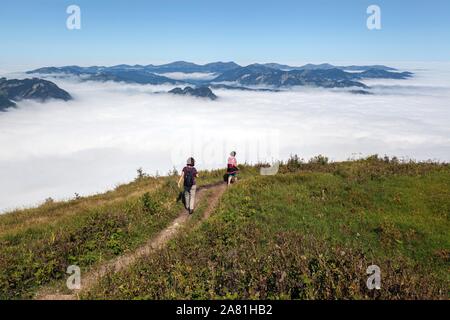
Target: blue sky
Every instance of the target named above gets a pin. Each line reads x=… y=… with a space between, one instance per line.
x=34 y=33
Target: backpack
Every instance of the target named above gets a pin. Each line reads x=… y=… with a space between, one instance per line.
x=189 y=178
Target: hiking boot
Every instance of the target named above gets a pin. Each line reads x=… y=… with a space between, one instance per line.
x=191 y=211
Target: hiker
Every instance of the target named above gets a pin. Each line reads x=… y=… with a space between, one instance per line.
x=189 y=174
x=232 y=168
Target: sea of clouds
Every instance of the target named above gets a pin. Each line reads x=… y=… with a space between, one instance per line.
x=189 y=76
x=109 y=130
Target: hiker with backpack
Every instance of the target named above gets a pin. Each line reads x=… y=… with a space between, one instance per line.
x=189 y=174
x=232 y=168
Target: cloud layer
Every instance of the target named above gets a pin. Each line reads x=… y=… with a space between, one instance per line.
x=99 y=140
x=189 y=76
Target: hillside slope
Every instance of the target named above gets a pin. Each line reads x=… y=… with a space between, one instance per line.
x=308 y=232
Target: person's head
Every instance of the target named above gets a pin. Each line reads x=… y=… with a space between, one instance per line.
x=190 y=162
x=233 y=153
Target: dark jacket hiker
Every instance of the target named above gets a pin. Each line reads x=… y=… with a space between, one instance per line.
x=189 y=173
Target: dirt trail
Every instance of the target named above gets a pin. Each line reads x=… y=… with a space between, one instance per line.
x=157 y=242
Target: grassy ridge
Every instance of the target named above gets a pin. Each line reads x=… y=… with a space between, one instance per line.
x=309 y=233
x=37 y=245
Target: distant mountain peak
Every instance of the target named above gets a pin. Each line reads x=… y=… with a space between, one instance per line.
x=201 y=92
x=180 y=63
x=35 y=89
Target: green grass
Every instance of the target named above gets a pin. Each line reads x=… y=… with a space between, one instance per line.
x=309 y=233
x=37 y=244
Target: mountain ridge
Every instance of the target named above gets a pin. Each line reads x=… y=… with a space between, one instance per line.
x=190 y=67
x=29 y=89
x=271 y=75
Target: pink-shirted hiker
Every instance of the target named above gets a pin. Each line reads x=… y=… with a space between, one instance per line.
x=232 y=168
